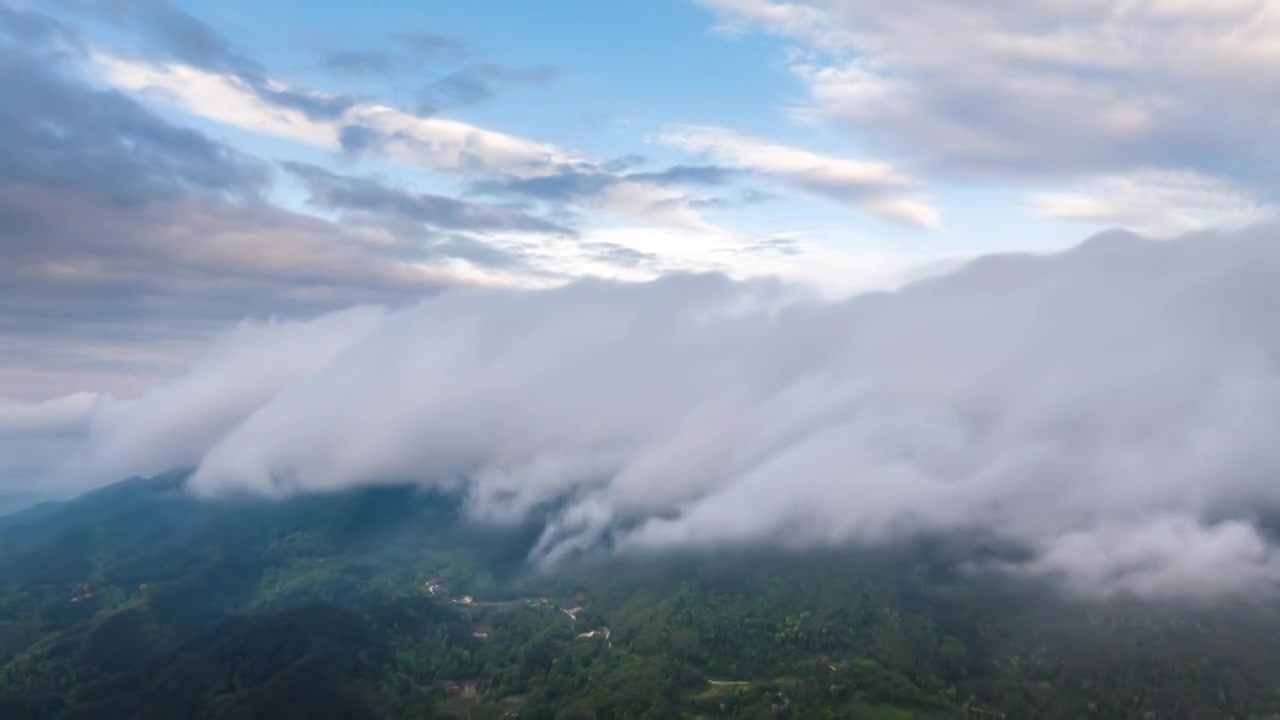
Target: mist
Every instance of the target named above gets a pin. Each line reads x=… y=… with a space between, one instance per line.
x=1114 y=409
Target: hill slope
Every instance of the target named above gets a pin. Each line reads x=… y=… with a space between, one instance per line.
x=139 y=601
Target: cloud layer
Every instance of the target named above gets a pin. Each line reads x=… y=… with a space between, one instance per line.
x=1041 y=86
x=1044 y=90
x=1111 y=409
x=876 y=188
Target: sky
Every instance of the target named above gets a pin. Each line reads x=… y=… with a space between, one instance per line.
x=693 y=272
x=173 y=166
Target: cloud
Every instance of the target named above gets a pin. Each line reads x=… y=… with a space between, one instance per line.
x=649 y=196
x=1109 y=409
x=121 y=152
x=34 y=434
x=175 y=35
x=688 y=175
x=359 y=62
x=565 y=185
x=653 y=204
x=1039 y=89
x=428 y=44
x=86 y=280
x=586 y=180
x=1147 y=557
x=499 y=164
x=122 y=231
x=57 y=425
x=401 y=52
x=434 y=143
x=129 y=239
x=1160 y=203
x=34 y=28
x=171 y=30
x=475 y=84
x=459 y=82
x=211 y=79
x=752 y=196
x=333 y=191
x=182 y=50
x=873 y=187
x=502 y=164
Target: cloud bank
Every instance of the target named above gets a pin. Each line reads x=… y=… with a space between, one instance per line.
x=1112 y=409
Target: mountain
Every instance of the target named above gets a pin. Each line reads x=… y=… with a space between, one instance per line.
x=12 y=502
x=141 y=601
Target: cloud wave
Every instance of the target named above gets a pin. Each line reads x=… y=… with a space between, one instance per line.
x=1112 y=409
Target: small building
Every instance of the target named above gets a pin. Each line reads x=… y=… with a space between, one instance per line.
x=468 y=687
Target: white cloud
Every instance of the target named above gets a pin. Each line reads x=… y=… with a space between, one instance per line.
x=51 y=417
x=660 y=205
x=1041 y=87
x=1112 y=409
x=1158 y=203
x=434 y=143
x=637 y=253
x=224 y=98
x=835 y=272
x=874 y=187
x=1148 y=556
x=785 y=18
x=453 y=145
x=36 y=436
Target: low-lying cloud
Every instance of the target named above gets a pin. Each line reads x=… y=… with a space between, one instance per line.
x=1112 y=409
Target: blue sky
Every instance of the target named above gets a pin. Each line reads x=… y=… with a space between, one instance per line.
x=619 y=75
x=302 y=156
x=622 y=73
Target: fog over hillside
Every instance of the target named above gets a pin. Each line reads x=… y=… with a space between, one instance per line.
x=1115 y=408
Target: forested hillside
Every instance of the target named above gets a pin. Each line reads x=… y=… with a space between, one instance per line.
x=139 y=601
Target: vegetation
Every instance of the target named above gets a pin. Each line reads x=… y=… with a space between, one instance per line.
x=138 y=601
